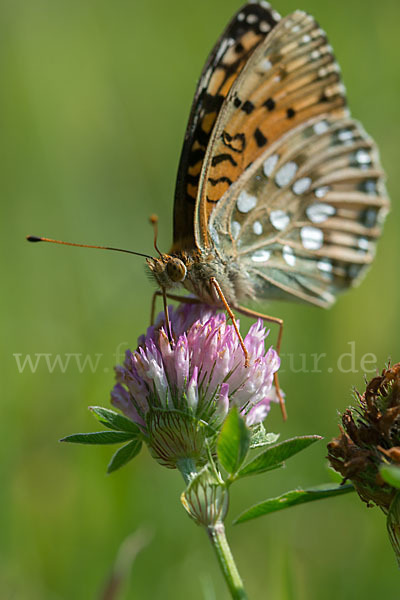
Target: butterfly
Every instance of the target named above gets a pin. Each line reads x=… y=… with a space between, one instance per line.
x=280 y=193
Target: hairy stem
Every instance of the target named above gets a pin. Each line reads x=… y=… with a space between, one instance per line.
x=217 y=536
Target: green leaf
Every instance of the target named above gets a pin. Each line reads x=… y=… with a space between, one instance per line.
x=293 y=498
x=114 y=420
x=270 y=458
x=333 y=475
x=391 y=475
x=233 y=442
x=124 y=455
x=98 y=437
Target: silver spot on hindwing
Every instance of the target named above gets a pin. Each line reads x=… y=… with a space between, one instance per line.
x=279 y=219
x=257 y=228
x=321 y=191
x=261 y=256
x=321 y=127
x=286 y=173
x=312 y=238
x=362 y=158
x=235 y=229
x=265 y=64
x=289 y=256
x=301 y=185
x=319 y=212
x=270 y=164
x=346 y=136
x=325 y=265
x=245 y=202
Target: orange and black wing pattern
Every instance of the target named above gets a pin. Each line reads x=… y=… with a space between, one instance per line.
x=246 y=31
x=290 y=78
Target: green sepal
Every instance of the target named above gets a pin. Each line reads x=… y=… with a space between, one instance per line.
x=98 y=437
x=293 y=498
x=233 y=442
x=114 y=420
x=205 y=498
x=273 y=457
x=124 y=455
x=391 y=475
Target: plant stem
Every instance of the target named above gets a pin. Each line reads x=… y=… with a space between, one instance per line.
x=393 y=526
x=216 y=534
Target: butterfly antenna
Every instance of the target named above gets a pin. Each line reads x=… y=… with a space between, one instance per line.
x=154 y=222
x=34 y=238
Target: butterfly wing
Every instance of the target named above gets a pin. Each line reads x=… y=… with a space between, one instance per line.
x=290 y=78
x=302 y=221
x=298 y=197
x=244 y=33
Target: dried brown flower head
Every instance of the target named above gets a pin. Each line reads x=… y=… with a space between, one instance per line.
x=370 y=438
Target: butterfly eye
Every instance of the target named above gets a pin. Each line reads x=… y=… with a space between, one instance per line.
x=176 y=269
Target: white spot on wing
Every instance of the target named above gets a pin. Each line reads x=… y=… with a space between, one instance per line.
x=270 y=164
x=363 y=157
x=286 y=173
x=346 y=135
x=264 y=26
x=321 y=127
x=325 y=266
x=257 y=228
x=319 y=212
x=312 y=238
x=321 y=191
x=235 y=229
x=306 y=39
x=260 y=256
x=251 y=19
x=363 y=244
x=301 y=185
x=289 y=256
x=265 y=64
x=279 y=219
x=246 y=202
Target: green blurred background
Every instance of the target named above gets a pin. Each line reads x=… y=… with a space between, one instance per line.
x=93 y=107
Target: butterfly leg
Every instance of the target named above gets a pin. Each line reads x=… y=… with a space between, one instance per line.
x=252 y=313
x=228 y=309
x=184 y=299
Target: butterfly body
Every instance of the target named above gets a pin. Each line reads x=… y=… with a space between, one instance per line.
x=199 y=268
x=280 y=193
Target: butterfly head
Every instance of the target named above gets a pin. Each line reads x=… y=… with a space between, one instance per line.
x=168 y=270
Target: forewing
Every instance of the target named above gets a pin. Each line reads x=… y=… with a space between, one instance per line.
x=290 y=78
x=245 y=32
x=302 y=221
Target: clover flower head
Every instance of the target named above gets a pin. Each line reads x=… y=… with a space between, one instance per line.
x=180 y=393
